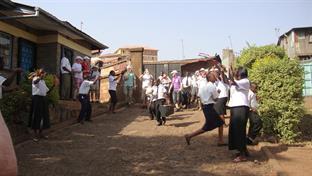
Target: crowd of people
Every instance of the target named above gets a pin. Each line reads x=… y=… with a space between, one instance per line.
x=211 y=91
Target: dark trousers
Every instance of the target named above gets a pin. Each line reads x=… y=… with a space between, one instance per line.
x=255 y=125
x=156 y=110
x=186 y=97
x=113 y=96
x=86 y=109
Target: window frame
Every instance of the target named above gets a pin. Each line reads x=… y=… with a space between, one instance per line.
x=11 y=50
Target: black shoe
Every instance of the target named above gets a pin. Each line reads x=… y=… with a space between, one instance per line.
x=249 y=141
x=164 y=120
x=159 y=124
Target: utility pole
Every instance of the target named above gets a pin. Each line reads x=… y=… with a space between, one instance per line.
x=81 y=24
x=230 y=42
x=277 y=32
x=183 y=56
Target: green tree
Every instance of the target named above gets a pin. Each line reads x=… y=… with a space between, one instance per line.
x=253 y=53
x=280 y=83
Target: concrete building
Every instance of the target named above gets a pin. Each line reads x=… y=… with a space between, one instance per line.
x=149 y=54
x=32 y=38
x=228 y=58
x=297 y=43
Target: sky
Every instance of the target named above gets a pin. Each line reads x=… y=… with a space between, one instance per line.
x=182 y=28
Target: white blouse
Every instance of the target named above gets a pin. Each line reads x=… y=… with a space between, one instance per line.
x=40 y=88
x=224 y=88
x=207 y=93
x=239 y=93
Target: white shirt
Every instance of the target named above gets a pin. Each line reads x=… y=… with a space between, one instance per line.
x=207 y=92
x=65 y=63
x=252 y=98
x=161 y=92
x=112 y=83
x=194 y=81
x=85 y=87
x=77 y=68
x=165 y=81
x=187 y=80
x=146 y=80
x=224 y=88
x=2 y=79
x=201 y=81
x=239 y=93
x=40 y=88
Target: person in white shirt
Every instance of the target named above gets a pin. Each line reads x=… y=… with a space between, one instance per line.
x=146 y=79
x=65 y=78
x=165 y=80
x=194 y=90
x=39 y=117
x=186 y=90
x=95 y=88
x=78 y=75
x=159 y=98
x=255 y=122
x=239 y=105
x=84 y=98
x=208 y=93
x=220 y=106
x=112 y=86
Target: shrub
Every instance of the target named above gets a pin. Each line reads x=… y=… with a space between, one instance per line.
x=280 y=85
x=254 y=53
x=14 y=105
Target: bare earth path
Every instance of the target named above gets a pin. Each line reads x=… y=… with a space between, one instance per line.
x=128 y=143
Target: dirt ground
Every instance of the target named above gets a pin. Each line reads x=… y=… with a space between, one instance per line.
x=129 y=143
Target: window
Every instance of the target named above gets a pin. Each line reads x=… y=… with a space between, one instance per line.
x=301 y=35
x=310 y=39
x=6 y=49
x=307 y=88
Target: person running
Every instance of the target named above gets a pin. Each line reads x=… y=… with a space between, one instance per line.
x=208 y=93
x=113 y=81
x=255 y=122
x=146 y=79
x=39 y=118
x=239 y=113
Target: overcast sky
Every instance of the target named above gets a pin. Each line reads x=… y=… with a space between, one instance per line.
x=203 y=25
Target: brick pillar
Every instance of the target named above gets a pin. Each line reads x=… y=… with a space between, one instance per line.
x=136 y=60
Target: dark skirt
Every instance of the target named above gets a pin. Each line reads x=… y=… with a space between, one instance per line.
x=237 y=129
x=213 y=120
x=220 y=106
x=39 y=117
